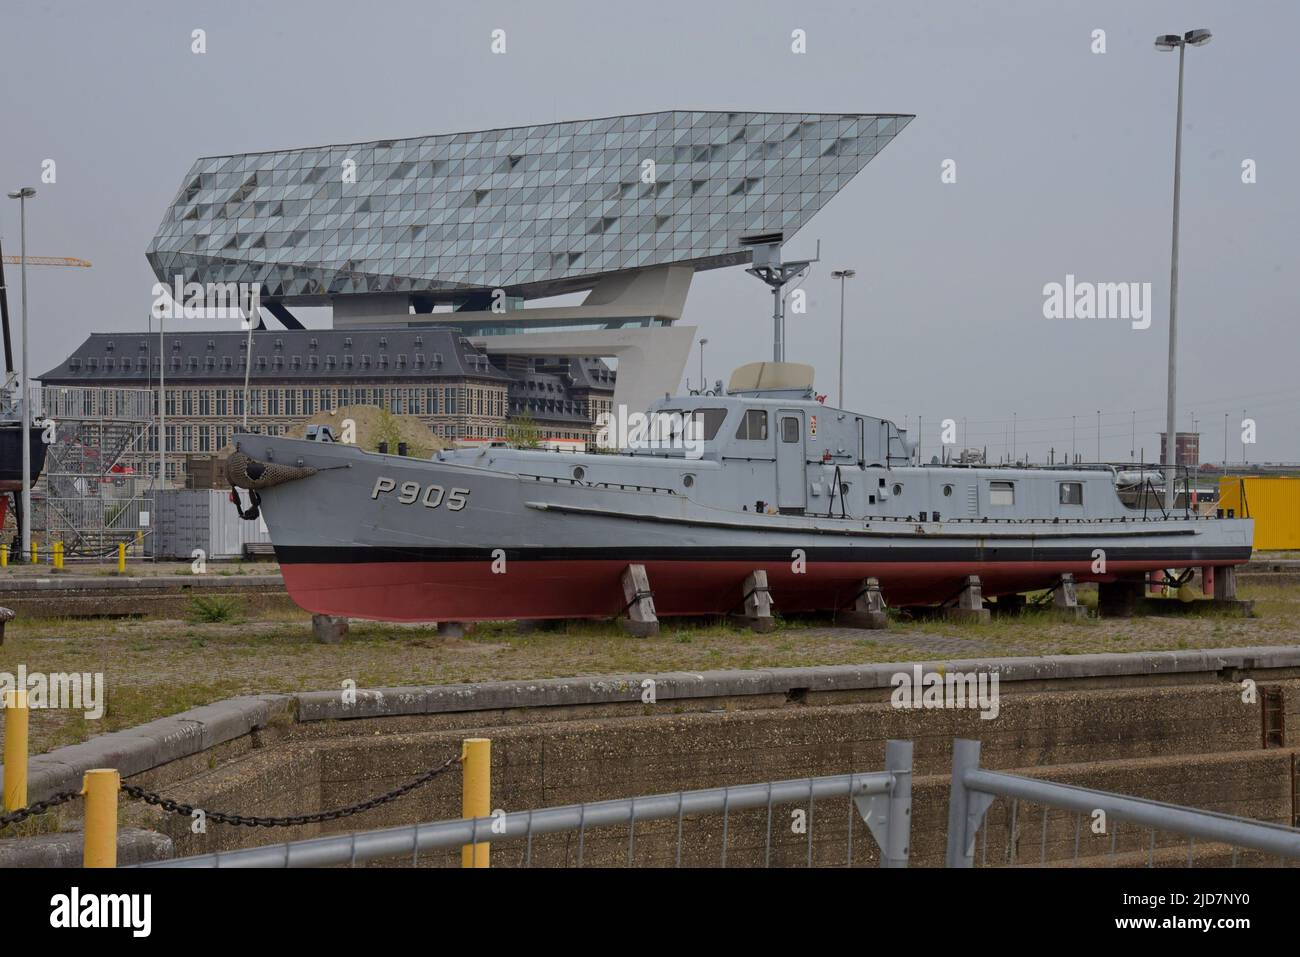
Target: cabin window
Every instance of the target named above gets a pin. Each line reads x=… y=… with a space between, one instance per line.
x=1002 y=493
x=1071 y=493
x=789 y=429
x=712 y=419
x=753 y=425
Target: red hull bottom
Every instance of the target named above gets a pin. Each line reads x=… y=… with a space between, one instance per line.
x=469 y=591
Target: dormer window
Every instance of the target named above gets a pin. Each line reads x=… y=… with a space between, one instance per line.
x=109 y=347
x=347 y=342
x=279 y=343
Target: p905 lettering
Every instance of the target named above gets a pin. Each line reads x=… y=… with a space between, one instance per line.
x=430 y=496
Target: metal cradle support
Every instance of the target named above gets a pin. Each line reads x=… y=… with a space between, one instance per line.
x=638 y=616
x=868 y=609
x=970 y=603
x=757 y=603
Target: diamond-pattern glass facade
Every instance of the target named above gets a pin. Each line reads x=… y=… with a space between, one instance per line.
x=534 y=210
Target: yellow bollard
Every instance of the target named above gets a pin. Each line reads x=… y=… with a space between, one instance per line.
x=476 y=770
x=121 y=558
x=36 y=555
x=58 y=556
x=101 y=789
x=4 y=556
x=15 y=750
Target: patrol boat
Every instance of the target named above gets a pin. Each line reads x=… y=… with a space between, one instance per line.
x=764 y=477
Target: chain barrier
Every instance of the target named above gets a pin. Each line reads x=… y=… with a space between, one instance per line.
x=248 y=820
x=40 y=807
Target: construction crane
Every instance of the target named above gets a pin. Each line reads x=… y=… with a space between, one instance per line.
x=4 y=294
x=48 y=261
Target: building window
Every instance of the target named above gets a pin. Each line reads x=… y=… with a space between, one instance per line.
x=1071 y=493
x=1002 y=493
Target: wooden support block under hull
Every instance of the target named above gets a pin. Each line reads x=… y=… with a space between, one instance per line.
x=868 y=609
x=1065 y=600
x=757 y=603
x=639 y=618
x=970 y=604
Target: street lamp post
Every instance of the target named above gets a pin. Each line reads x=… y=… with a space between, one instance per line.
x=841 y=275
x=703 y=381
x=1168 y=42
x=23 y=195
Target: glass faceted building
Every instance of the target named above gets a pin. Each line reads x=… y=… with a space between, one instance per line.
x=534 y=210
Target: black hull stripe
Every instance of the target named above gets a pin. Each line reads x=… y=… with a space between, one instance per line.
x=1169 y=555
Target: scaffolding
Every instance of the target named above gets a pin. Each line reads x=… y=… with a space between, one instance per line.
x=91 y=497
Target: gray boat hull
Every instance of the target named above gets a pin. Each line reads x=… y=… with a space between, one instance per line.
x=393 y=538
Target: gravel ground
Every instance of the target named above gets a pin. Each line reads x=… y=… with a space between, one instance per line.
x=155 y=667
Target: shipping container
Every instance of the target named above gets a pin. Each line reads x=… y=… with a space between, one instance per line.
x=189 y=519
x=1274 y=504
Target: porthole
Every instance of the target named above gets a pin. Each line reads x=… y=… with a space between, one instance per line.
x=688 y=480
x=898 y=489
x=579 y=472
x=947 y=491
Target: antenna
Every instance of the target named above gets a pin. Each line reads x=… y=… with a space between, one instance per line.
x=767 y=266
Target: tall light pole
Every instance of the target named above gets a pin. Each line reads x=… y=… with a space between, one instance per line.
x=841 y=275
x=23 y=195
x=162 y=408
x=703 y=381
x=1168 y=42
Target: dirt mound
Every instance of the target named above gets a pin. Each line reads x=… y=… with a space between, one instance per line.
x=375 y=425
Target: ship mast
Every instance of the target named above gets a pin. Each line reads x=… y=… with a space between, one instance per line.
x=767 y=266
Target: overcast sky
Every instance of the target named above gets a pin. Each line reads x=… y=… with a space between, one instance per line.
x=1063 y=160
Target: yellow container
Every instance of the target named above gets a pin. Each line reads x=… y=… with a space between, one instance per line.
x=1274 y=504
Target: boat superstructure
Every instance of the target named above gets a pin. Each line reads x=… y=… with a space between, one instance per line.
x=712 y=488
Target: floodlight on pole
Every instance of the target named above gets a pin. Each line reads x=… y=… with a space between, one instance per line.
x=1169 y=42
x=841 y=275
x=23 y=194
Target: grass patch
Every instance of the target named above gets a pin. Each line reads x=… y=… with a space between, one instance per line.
x=211 y=609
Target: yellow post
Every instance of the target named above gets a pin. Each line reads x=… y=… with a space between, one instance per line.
x=476 y=770
x=101 y=788
x=121 y=558
x=15 y=750
x=58 y=556
x=36 y=560
x=4 y=556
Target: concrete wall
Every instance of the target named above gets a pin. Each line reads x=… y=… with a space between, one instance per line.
x=1164 y=727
